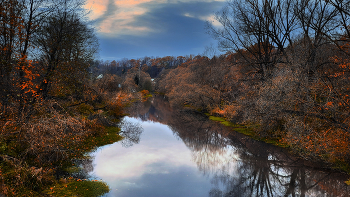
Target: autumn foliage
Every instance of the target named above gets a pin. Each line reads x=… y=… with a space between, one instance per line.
x=50 y=109
x=332 y=144
x=292 y=82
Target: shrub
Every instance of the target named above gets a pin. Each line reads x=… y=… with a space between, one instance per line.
x=85 y=109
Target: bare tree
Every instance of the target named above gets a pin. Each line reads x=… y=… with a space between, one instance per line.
x=67 y=44
x=299 y=50
x=257 y=30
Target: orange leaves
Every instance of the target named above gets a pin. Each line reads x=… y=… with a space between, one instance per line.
x=329 y=103
x=20 y=71
x=144 y=92
x=26 y=83
x=342 y=61
x=332 y=144
x=145 y=95
x=344 y=65
x=115 y=106
x=227 y=111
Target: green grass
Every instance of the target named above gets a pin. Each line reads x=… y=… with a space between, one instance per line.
x=92 y=142
x=215 y=118
x=246 y=130
x=237 y=127
x=226 y=123
x=78 y=188
x=274 y=141
x=85 y=109
x=86 y=188
x=148 y=96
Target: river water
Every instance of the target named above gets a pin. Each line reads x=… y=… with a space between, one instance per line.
x=172 y=153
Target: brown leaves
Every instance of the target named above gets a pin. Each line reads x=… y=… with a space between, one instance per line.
x=331 y=144
x=50 y=137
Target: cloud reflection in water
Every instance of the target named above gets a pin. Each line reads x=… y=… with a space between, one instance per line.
x=197 y=157
x=160 y=165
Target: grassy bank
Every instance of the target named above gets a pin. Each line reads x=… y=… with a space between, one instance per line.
x=38 y=155
x=250 y=130
x=69 y=185
x=78 y=188
x=25 y=177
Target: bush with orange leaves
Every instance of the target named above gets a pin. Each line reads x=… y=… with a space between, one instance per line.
x=329 y=144
x=116 y=104
x=227 y=111
x=144 y=92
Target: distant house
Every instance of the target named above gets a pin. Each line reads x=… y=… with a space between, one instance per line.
x=100 y=76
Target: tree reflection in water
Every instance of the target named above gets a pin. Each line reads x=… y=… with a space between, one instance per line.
x=131 y=132
x=240 y=166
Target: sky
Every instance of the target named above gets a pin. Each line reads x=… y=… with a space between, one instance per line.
x=134 y=29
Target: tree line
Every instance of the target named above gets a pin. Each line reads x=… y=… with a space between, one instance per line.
x=151 y=65
x=133 y=75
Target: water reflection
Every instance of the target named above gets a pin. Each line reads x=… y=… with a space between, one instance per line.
x=179 y=153
x=159 y=165
x=131 y=132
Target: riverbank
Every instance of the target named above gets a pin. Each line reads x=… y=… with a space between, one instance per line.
x=40 y=156
x=235 y=162
x=249 y=130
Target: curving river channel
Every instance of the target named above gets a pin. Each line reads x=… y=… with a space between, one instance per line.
x=172 y=153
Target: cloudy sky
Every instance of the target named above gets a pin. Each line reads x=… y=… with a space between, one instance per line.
x=139 y=28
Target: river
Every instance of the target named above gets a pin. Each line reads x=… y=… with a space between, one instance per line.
x=175 y=153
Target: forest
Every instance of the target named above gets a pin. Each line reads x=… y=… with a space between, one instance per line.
x=284 y=72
